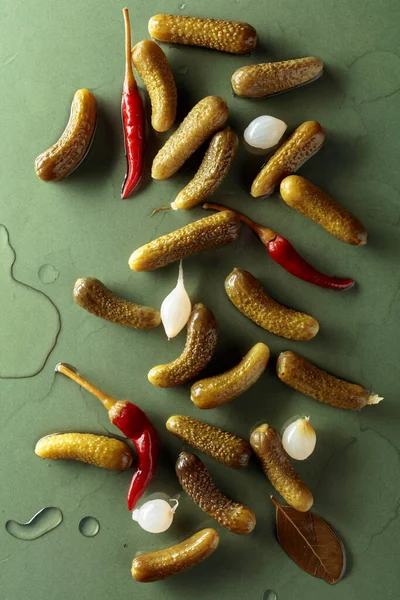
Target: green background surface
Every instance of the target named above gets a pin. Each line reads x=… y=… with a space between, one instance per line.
x=81 y=228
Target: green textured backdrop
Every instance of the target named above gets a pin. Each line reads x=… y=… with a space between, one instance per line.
x=81 y=228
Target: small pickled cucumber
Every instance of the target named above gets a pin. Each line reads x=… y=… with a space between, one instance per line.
x=312 y=202
x=204 y=234
x=301 y=375
x=223 y=446
x=226 y=36
x=265 y=79
x=298 y=148
x=201 y=341
x=155 y=566
x=250 y=298
x=199 y=486
x=215 y=391
x=152 y=66
x=98 y=450
x=65 y=155
x=92 y=295
x=209 y=115
x=275 y=462
x=213 y=170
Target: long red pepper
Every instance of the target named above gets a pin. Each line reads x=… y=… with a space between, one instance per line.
x=135 y=425
x=283 y=253
x=132 y=119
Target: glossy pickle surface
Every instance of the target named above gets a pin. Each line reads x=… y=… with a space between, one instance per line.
x=306 y=140
x=198 y=484
x=275 y=462
x=227 y=36
x=68 y=152
x=99 y=450
x=92 y=295
x=205 y=118
x=152 y=65
x=201 y=342
x=214 y=168
x=204 y=234
x=250 y=298
x=215 y=391
x=155 y=566
x=265 y=79
x=223 y=446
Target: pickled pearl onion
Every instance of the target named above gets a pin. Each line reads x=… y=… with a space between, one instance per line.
x=176 y=308
x=155 y=516
x=264 y=132
x=299 y=439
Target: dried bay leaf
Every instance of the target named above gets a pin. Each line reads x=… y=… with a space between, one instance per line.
x=310 y=542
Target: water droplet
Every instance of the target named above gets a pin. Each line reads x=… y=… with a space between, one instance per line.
x=183 y=70
x=269 y=595
x=89 y=526
x=48 y=274
x=29 y=320
x=42 y=522
x=182 y=6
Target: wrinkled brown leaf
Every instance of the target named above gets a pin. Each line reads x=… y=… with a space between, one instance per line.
x=310 y=542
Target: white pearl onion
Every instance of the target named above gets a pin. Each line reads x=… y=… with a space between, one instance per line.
x=155 y=516
x=299 y=439
x=264 y=132
x=176 y=308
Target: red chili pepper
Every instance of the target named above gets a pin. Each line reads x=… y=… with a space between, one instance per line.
x=132 y=119
x=283 y=253
x=135 y=425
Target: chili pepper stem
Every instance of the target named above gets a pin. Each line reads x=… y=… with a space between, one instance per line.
x=129 y=81
x=107 y=401
x=265 y=234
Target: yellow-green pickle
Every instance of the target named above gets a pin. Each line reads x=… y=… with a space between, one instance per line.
x=267 y=445
x=215 y=391
x=212 y=171
x=204 y=234
x=248 y=295
x=68 y=152
x=155 y=566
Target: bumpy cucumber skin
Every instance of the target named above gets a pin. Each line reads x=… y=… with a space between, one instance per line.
x=92 y=295
x=201 y=342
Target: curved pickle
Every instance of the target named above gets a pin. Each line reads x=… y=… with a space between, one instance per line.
x=312 y=202
x=197 y=483
x=205 y=118
x=216 y=391
x=154 y=566
x=223 y=446
x=275 y=463
x=201 y=341
x=152 y=66
x=227 y=36
x=99 y=450
x=301 y=375
x=266 y=79
x=307 y=139
x=204 y=234
x=92 y=295
x=250 y=298
x=69 y=151
x=212 y=171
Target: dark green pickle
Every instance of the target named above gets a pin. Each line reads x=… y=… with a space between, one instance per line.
x=92 y=295
x=201 y=341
